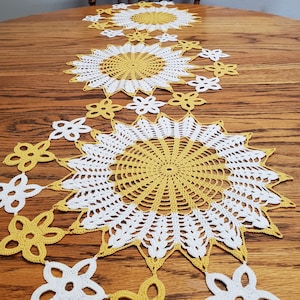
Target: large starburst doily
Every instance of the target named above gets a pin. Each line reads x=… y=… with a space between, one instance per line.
x=131 y=68
x=153 y=18
x=173 y=185
x=161 y=186
x=149 y=16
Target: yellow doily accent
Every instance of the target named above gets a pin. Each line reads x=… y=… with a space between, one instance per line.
x=187 y=101
x=144 y=4
x=220 y=69
x=169 y=175
x=154 y=17
x=26 y=156
x=187 y=45
x=132 y=66
x=30 y=237
x=107 y=11
x=104 y=108
x=138 y=36
x=143 y=291
x=100 y=26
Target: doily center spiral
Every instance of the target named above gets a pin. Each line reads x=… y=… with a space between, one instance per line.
x=170 y=175
x=132 y=66
x=153 y=18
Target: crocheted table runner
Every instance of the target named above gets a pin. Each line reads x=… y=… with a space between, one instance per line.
x=161 y=186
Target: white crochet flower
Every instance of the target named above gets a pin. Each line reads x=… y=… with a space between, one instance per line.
x=203 y=84
x=13 y=194
x=165 y=37
x=235 y=289
x=112 y=33
x=70 y=130
x=172 y=185
x=145 y=105
x=72 y=282
x=213 y=55
x=165 y=3
x=120 y=6
x=92 y=18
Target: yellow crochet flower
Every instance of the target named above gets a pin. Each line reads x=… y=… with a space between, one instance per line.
x=107 y=11
x=221 y=69
x=144 y=4
x=104 y=108
x=100 y=26
x=32 y=237
x=138 y=36
x=26 y=155
x=186 y=101
x=188 y=45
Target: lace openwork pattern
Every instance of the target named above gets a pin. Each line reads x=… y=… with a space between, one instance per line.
x=160 y=186
x=185 y=183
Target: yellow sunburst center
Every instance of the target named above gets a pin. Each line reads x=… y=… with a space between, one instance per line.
x=170 y=175
x=132 y=66
x=153 y=18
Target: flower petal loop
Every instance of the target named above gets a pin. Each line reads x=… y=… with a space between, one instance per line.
x=235 y=289
x=32 y=237
x=70 y=130
x=26 y=156
x=72 y=283
x=186 y=101
x=14 y=194
x=104 y=108
x=145 y=105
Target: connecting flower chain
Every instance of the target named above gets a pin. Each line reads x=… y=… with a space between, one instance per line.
x=160 y=186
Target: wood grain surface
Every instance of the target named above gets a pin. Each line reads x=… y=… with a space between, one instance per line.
x=264 y=99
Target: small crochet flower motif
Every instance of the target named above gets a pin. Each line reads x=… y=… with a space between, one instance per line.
x=143 y=4
x=221 y=69
x=188 y=45
x=203 y=84
x=104 y=108
x=70 y=130
x=112 y=33
x=30 y=237
x=120 y=6
x=14 y=193
x=138 y=36
x=186 y=101
x=107 y=11
x=145 y=105
x=165 y=3
x=213 y=55
x=234 y=287
x=100 y=26
x=26 y=156
x=166 y=37
x=72 y=283
x=94 y=18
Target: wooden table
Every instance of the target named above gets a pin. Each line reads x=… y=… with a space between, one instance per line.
x=264 y=99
